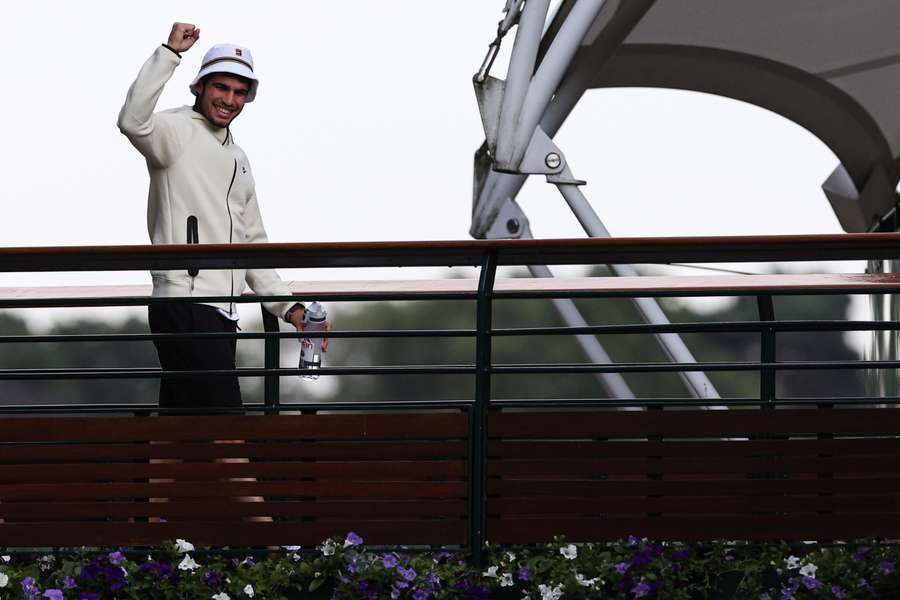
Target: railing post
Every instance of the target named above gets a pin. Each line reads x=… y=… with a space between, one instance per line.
x=478 y=416
x=271 y=360
x=767 y=350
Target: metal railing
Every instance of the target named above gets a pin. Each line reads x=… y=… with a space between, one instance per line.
x=487 y=256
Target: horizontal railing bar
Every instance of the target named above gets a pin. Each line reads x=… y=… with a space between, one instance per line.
x=718 y=326
x=140 y=373
x=253 y=408
x=687 y=402
x=250 y=335
x=700 y=366
x=718 y=249
x=246 y=299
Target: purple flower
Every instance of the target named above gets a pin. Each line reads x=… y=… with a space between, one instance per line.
x=420 y=595
x=401 y=584
x=211 y=578
x=524 y=574
x=116 y=558
x=861 y=553
x=389 y=561
x=681 y=555
x=887 y=567
x=838 y=592
x=407 y=574
x=811 y=583
x=32 y=591
x=432 y=579
x=68 y=582
x=641 y=589
x=632 y=541
x=642 y=558
x=621 y=568
x=353 y=539
x=54 y=594
x=89 y=596
x=367 y=589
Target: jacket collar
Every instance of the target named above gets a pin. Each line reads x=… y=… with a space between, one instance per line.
x=222 y=134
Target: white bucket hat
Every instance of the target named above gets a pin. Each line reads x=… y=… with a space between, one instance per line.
x=227 y=58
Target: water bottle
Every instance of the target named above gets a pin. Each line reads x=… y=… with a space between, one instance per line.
x=311 y=348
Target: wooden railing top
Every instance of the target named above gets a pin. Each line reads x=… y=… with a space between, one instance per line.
x=466 y=288
x=456 y=253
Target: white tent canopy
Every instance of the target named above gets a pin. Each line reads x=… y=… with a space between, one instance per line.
x=831 y=67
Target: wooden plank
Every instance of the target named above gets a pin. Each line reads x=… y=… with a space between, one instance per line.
x=584 y=468
x=362 y=471
x=245 y=427
x=702 y=449
x=306 y=533
x=682 y=423
x=37 y=454
x=528 y=531
x=228 y=489
x=725 y=487
x=229 y=510
x=672 y=505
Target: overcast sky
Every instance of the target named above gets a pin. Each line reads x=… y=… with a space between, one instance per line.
x=364 y=129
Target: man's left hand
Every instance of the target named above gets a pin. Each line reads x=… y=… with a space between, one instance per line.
x=296 y=318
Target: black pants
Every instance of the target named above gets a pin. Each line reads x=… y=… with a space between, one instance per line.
x=201 y=391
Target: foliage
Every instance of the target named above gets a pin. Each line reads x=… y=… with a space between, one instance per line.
x=343 y=568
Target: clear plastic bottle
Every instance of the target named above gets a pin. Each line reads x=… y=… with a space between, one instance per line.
x=311 y=348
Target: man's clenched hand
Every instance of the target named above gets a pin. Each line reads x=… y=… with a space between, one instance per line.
x=183 y=36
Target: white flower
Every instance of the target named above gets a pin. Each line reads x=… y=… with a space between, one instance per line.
x=291 y=548
x=809 y=570
x=4 y=579
x=221 y=596
x=548 y=593
x=296 y=557
x=327 y=548
x=491 y=572
x=510 y=556
x=248 y=589
x=6 y=558
x=792 y=562
x=569 y=551
x=580 y=580
x=183 y=546
x=187 y=563
x=506 y=580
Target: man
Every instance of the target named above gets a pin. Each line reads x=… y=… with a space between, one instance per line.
x=201 y=191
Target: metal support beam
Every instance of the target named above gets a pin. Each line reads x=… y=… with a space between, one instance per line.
x=698 y=383
x=479 y=413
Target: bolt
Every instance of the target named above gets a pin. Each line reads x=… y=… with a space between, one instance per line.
x=512 y=226
x=553 y=160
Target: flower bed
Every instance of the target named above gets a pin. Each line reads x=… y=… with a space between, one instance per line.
x=344 y=568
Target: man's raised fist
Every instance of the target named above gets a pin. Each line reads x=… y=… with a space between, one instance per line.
x=183 y=36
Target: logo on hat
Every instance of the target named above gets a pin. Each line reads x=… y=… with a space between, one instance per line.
x=238 y=52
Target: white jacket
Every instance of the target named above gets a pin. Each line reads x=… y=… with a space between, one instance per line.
x=196 y=170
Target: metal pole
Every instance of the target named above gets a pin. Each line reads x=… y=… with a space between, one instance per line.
x=767 y=350
x=479 y=413
x=550 y=73
x=271 y=360
x=698 y=383
x=614 y=383
x=518 y=77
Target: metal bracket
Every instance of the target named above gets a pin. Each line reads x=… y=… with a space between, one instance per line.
x=509 y=223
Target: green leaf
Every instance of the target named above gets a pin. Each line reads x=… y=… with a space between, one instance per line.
x=316 y=584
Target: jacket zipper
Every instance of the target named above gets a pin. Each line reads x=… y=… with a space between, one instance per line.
x=231 y=232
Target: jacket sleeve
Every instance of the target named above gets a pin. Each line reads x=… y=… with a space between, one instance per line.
x=263 y=282
x=158 y=136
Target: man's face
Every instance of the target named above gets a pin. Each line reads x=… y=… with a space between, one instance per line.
x=222 y=98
